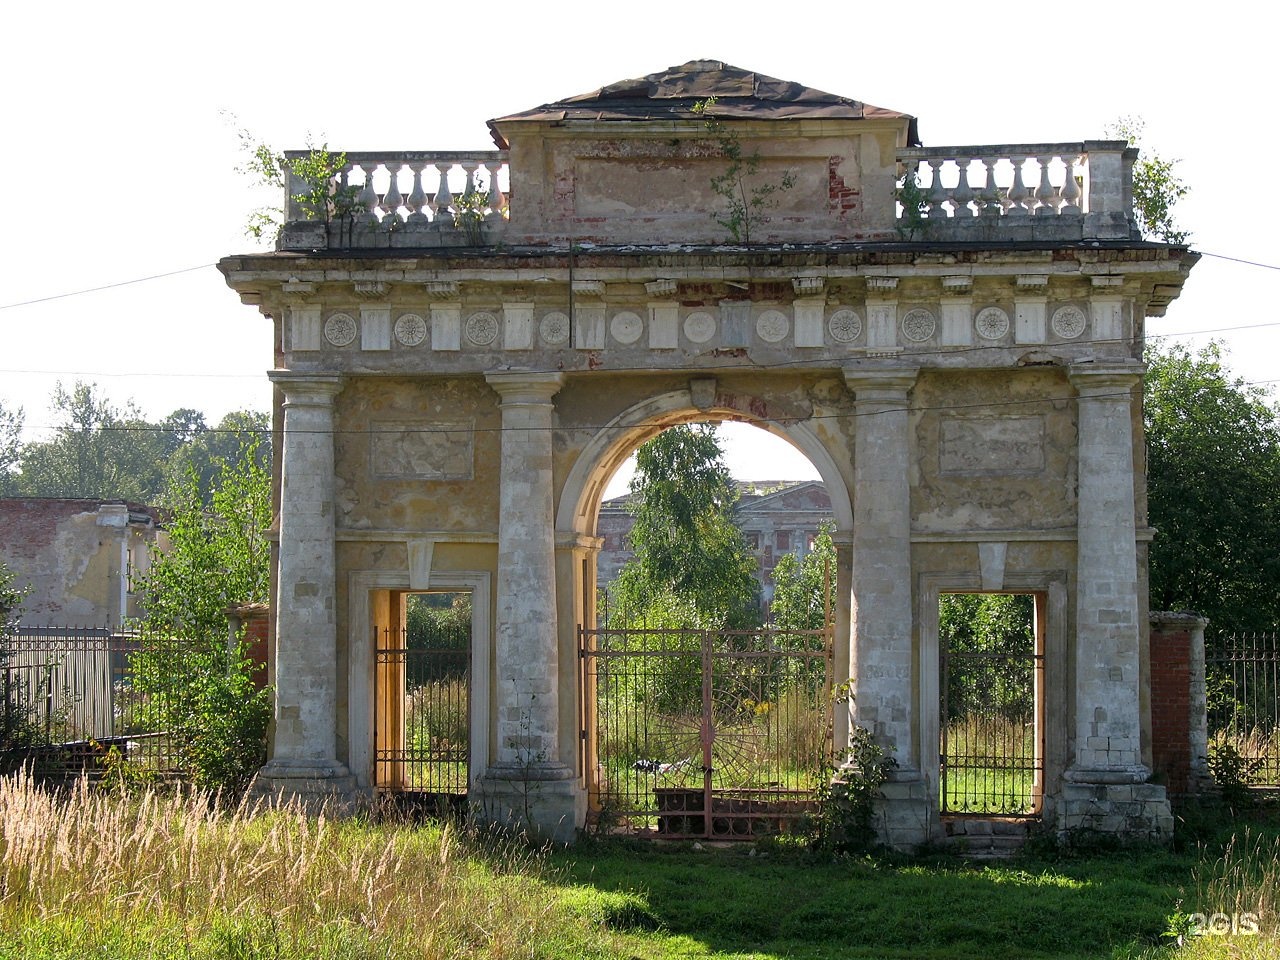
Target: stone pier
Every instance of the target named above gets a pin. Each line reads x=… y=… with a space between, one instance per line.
x=1106 y=787
x=304 y=761
x=528 y=786
x=881 y=616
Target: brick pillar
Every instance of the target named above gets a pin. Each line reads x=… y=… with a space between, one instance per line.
x=1179 y=731
x=254 y=620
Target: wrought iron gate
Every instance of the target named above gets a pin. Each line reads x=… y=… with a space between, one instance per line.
x=704 y=733
x=1242 y=673
x=422 y=716
x=991 y=758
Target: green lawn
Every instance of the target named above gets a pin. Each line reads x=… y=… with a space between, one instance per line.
x=93 y=875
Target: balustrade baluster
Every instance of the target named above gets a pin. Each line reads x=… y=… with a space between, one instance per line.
x=1018 y=195
x=990 y=195
x=416 y=202
x=1046 y=195
x=495 y=201
x=443 y=198
x=393 y=198
x=963 y=194
x=937 y=193
x=469 y=167
x=367 y=198
x=1069 y=196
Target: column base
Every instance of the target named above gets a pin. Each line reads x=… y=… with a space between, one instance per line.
x=318 y=787
x=545 y=801
x=1125 y=810
x=906 y=814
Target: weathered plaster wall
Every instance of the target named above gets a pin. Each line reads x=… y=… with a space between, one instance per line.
x=75 y=558
x=994 y=451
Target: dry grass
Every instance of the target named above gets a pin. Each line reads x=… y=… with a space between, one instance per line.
x=90 y=873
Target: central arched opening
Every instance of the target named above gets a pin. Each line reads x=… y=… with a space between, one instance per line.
x=697 y=720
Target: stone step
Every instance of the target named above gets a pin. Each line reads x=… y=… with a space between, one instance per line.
x=985 y=839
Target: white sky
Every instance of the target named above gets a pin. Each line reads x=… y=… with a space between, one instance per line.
x=117 y=163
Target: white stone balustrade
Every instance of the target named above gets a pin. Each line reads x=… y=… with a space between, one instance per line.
x=1089 y=179
x=407 y=191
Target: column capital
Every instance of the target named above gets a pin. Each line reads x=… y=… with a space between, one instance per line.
x=880 y=381
x=524 y=387
x=1102 y=380
x=317 y=389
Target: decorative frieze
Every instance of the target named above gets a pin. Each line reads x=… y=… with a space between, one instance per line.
x=699 y=327
x=1029 y=319
x=446 y=326
x=845 y=326
x=341 y=329
x=956 y=321
x=626 y=327
x=422 y=450
x=990 y=446
x=553 y=328
x=410 y=330
x=442 y=289
x=991 y=323
x=588 y=288
x=808 y=286
x=517 y=326
x=1068 y=322
x=481 y=329
x=919 y=325
x=305 y=329
x=660 y=288
x=375 y=328
x=772 y=326
x=588 y=333
x=664 y=326
x=809 y=317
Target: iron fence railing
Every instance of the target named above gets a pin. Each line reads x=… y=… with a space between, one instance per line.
x=1242 y=683
x=704 y=733
x=991 y=761
x=422 y=732
x=70 y=703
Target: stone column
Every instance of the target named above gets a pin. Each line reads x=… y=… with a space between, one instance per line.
x=304 y=755
x=882 y=614
x=528 y=785
x=1107 y=655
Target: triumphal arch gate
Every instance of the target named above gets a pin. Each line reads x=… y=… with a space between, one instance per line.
x=468 y=344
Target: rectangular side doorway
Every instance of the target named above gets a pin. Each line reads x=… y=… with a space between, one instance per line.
x=422 y=700
x=991 y=754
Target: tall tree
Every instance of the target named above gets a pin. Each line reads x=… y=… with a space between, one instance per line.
x=197 y=685
x=10 y=449
x=690 y=558
x=98 y=451
x=1213 y=477
x=800 y=598
x=1156 y=185
x=207 y=449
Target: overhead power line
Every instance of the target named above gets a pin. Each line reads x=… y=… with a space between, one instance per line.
x=106 y=286
x=205 y=266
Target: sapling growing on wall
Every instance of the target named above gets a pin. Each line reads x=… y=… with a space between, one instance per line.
x=322 y=197
x=745 y=199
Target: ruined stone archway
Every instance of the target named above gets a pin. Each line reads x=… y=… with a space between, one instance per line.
x=450 y=401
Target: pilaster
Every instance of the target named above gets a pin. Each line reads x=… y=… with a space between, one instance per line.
x=528 y=785
x=881 y=616
x=1107 y=651
x=304 y=756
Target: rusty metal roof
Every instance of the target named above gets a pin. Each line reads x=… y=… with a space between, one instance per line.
x=672 y=94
